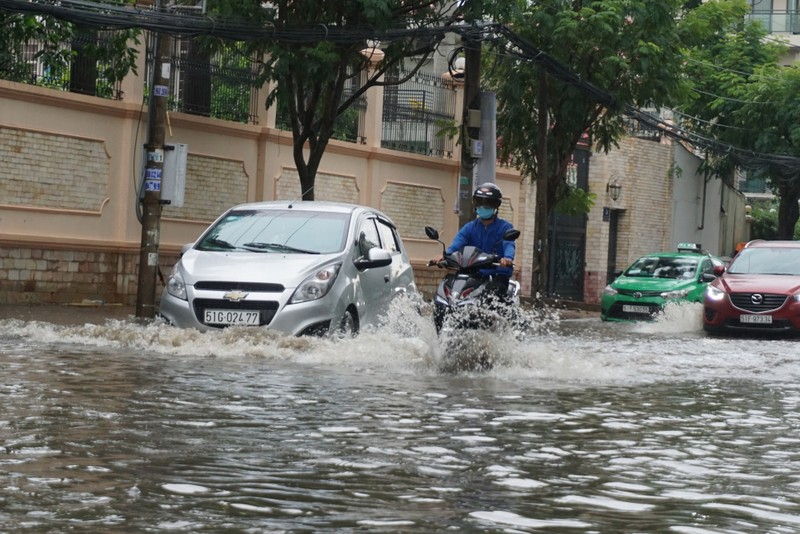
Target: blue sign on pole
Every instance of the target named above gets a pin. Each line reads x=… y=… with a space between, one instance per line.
x=160 y=90
x=152 y=173
x=152 y=185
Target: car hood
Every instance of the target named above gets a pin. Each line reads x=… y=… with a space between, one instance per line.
x=649 y=284
x=285 y=269
x=761 y=283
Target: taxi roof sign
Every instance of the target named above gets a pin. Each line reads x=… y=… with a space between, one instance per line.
x=689 y=247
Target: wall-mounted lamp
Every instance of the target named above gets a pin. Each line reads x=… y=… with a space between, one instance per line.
x=614 y=189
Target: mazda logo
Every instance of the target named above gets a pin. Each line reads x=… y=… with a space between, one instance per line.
x=637 y=294
x=757 y=298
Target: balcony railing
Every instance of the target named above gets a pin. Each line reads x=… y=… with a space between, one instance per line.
x=777 y=21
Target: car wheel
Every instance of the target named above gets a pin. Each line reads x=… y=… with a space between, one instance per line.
x=348 y=327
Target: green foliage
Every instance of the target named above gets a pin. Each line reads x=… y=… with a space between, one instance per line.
x=575 y=201
x=630 y=48
x=765 y=222
x=744 y=97
x=52 y=41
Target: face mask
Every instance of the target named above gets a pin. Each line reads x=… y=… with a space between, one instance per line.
x=485 y=212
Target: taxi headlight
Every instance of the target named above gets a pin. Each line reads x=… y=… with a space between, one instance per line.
x=317 y=285
x=609 y=291
x=677 y=294
x=712 y=293
x=175 y=285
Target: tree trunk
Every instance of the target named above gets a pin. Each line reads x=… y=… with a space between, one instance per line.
x=540 y=229
x=788 y=209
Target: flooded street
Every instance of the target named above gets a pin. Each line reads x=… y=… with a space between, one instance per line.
x=581 y=426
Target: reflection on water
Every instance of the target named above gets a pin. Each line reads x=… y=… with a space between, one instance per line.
x=580 y=426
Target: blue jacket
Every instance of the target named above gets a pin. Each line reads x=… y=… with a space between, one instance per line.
x=488 y=239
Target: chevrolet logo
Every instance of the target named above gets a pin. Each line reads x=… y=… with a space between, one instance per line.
x=235 y=296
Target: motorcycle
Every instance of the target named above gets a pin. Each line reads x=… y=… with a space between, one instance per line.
x=464 y=302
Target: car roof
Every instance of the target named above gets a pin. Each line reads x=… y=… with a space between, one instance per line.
x=695 y=255
x=766 y=243
x=313 y=205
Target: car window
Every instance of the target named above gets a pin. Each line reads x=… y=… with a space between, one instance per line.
x=767 y=261
x=663 y=267
x=389 y=238
x=284 y=231
x=367 y=237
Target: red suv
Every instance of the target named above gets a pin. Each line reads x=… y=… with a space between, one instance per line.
x=759 y=292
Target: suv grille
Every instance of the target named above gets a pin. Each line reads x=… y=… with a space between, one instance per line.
x=763 y=301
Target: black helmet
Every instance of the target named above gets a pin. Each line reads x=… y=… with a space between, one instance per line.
x=489 y=193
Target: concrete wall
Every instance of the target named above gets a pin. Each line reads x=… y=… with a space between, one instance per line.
x=69 y=165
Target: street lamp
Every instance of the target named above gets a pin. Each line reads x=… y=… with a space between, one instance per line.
x=614 y=189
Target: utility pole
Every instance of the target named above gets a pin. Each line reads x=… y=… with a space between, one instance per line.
x=470 y=127
x=154 y=169
x=540 y=229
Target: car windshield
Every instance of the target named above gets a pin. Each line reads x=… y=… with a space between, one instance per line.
x=663 y=267
x=281 y=231
x=767 y=261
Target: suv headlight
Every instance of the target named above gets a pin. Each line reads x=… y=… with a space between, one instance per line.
x=175 y=285
x=712 y=293
x=317 y=285
x=609 y=291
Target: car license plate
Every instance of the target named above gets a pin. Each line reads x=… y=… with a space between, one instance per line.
x=630 y=308
x=232 y=317
x=756 y=319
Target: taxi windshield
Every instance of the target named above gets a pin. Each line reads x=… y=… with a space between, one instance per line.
x=663 y=267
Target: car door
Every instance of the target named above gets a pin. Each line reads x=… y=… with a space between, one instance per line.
x=375 y=283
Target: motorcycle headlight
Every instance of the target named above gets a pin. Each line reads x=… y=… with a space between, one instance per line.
x=677 y=294
x=712 y=293
x=609 y=291
x=317 y=285
x=175 y=285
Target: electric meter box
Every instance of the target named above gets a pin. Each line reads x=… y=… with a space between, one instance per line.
x=173 y=184
x=173 y=174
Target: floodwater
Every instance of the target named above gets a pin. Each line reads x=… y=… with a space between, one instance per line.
x=580 y=426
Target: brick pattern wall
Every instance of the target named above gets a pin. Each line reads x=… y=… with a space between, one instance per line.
x=327 y=186
x=642 y=167
x=412 y=207
x=59 y=171
x=48 y=276
x=212 y=186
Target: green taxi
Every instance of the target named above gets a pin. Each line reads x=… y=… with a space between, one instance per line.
x=644 y=288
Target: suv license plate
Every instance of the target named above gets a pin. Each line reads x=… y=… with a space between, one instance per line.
x=232 y=317
x=630 y=308
x=756 y=319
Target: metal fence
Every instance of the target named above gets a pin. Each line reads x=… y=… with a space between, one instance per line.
x=222 y=85
x=67 y=66
x=417 y=113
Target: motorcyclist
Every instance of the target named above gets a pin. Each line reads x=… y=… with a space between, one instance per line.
x=486 y=233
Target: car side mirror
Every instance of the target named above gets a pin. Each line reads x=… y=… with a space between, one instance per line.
x=185 y=248
x=718 y=270
x=376 y=257
x=707 y=277
x=511 y=235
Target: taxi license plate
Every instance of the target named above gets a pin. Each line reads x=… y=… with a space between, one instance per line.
x=630 y=308
x=756 y=319
x=232 y=317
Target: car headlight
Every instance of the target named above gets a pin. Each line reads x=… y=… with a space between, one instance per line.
x=677 y=294
x=175 y=285
x=712 y=293
x=317 y=285
x=609 y=291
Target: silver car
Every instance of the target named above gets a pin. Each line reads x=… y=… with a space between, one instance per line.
x=296 y=267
